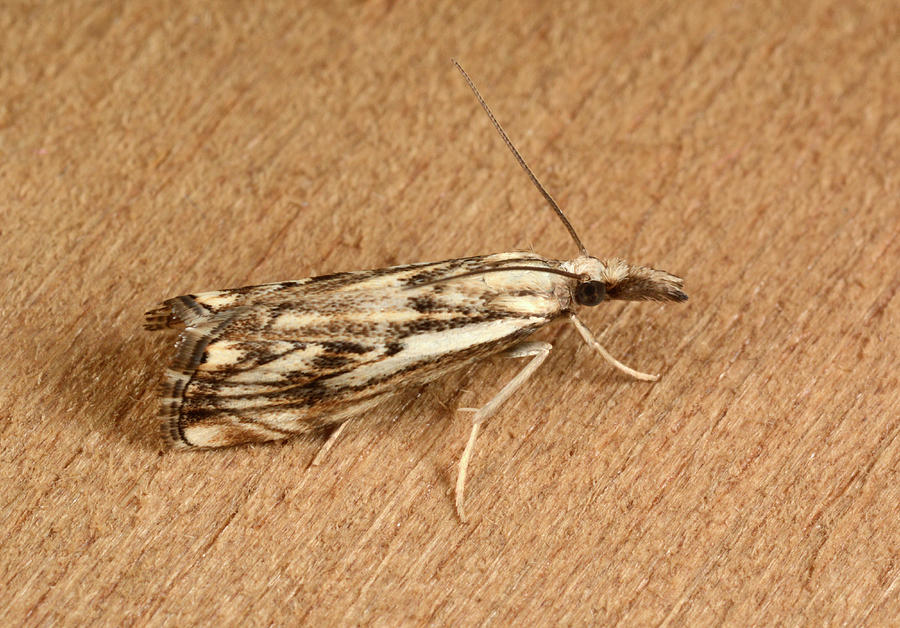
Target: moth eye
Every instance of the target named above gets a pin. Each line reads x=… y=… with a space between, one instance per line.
x=590 y=293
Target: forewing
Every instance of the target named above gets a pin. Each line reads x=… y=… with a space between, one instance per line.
x=265 y=362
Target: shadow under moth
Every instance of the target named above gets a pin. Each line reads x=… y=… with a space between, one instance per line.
x=266 y=362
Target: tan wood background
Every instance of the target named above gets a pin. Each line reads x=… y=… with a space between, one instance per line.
x=151 y=149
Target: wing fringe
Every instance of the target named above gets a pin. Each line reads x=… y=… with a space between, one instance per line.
x=199 y=328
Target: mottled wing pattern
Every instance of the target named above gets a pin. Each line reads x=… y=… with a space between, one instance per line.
x=266 y=362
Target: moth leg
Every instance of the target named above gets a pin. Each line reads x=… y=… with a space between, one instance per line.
x=320 y=455
x=539 y=352
x=592 y=341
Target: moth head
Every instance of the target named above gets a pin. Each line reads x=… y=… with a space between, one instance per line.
x=605 y=280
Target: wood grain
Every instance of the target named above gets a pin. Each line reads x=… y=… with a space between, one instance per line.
x=150 y=150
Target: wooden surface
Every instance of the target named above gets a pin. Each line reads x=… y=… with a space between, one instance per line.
x=151 y=150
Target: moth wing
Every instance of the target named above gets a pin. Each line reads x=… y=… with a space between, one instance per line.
x=266 y=362
x=252 y=372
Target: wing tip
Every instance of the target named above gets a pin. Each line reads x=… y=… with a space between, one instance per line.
x=171 y=392
x=160 y=317
x=200 y=328
x=176 y=312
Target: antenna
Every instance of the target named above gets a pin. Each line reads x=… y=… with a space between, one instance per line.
x=520 y=159
x=481 y=271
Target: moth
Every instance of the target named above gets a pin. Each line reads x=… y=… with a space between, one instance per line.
x=266 y=362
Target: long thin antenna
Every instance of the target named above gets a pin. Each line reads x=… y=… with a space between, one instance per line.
x=520 y=159
x=481 y=271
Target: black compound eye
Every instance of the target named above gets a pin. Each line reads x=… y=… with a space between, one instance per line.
x=590 y=293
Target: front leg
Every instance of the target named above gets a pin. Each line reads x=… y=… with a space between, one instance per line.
x=539 y=352
x=593 y=342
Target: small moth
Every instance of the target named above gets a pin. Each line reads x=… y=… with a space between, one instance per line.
x=266 y=362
